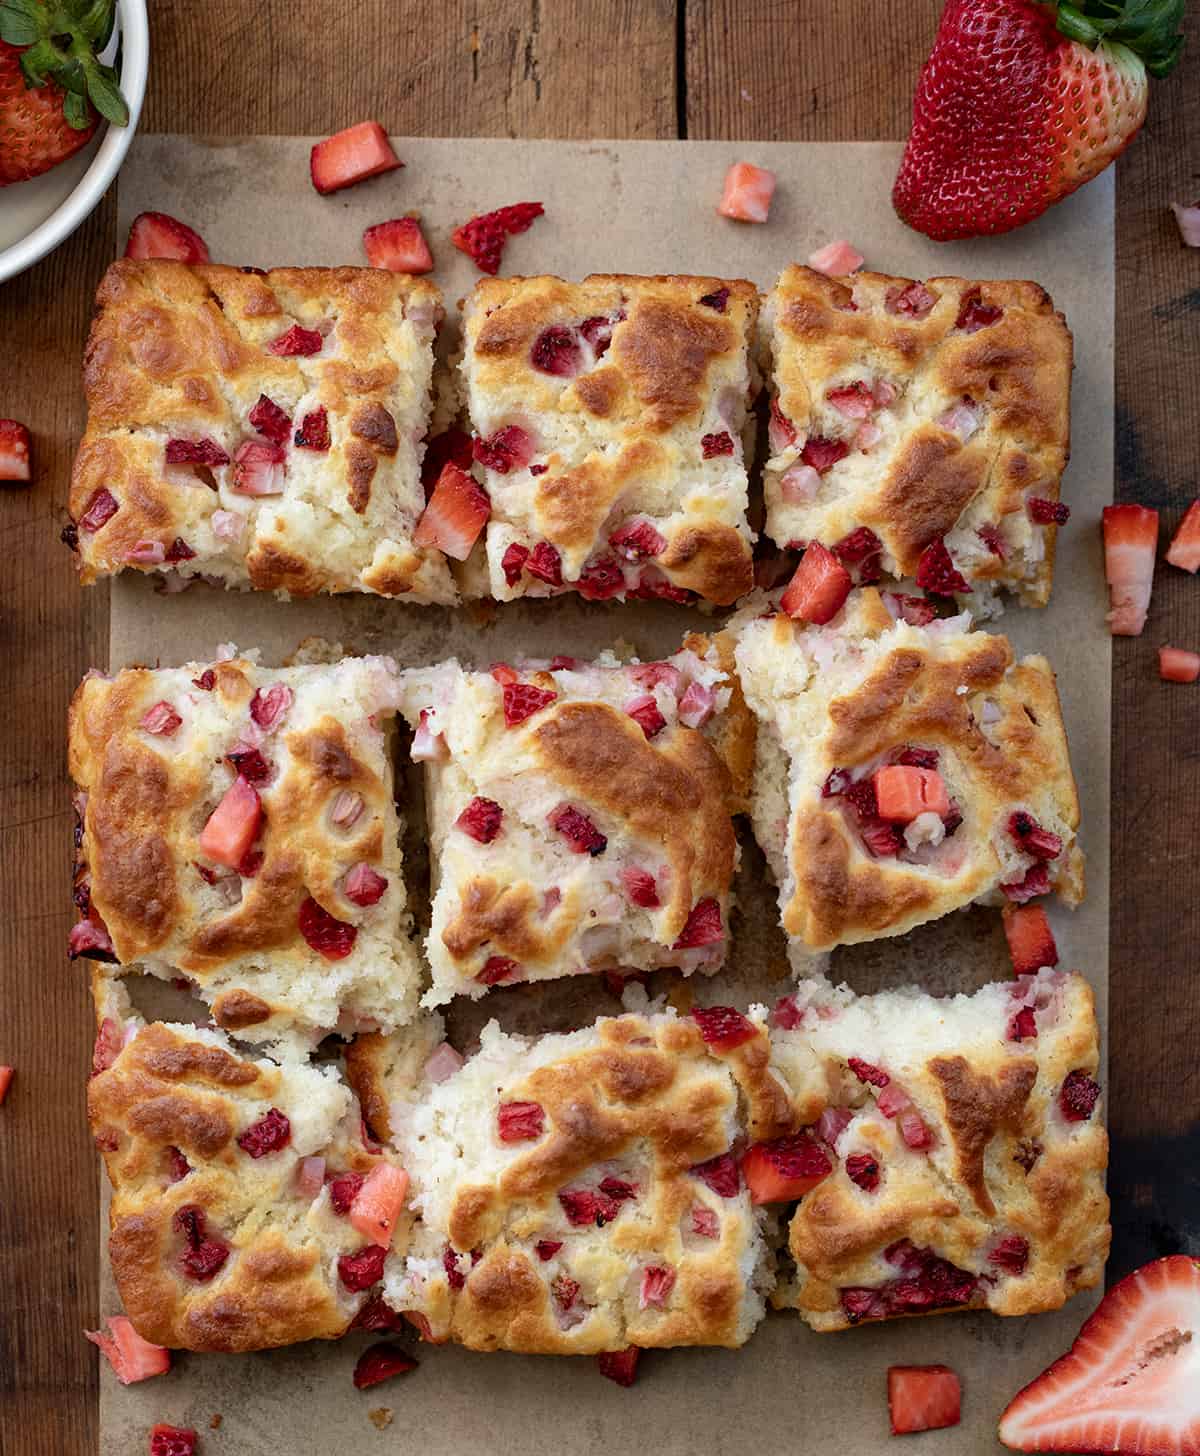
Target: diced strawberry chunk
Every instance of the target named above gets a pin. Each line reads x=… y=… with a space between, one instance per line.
x=706 y=1223
x=601 y=580
x=657 y=1282
x=836 y=259
x=702 y=927
x=799 y=484
x=203 y=451
x=297 y=343
x=1032 y=838
x=578 y=830
x=131 y=1357
x=1036 y=882
x=557 y=351
x=483 y=238
x=378 y=1204
x=332 y=938
x=203 y=1257
x=1078 y=1095
x=867 y=1072
x=598 y=331
x=250 y=764
x=361 y=1270
x=269 y=420
x=747 y=193
x=350 y=156
x=398 y=245
x=644 y=711
x=269 y=708
x=1022 y=1025
x=718 y=299
x=902 y=792
x=716 y=444
x=497 y=969
x=162 y=720
x=233 y=825
x=172 y=1440
x=511 y=448
x=863 y=1169
x=914 y=1131
x=893 y=1100
x=520 y=1122
x=697 y=705
x=1130 y=540
x=721 y=1174
x=512 y=563
x=545 y=563
x=481 y=819
x=158 y=235
x=974 y=314
x=547 y=1248
x=1048 y=512
x=584 y=1207
x=522 y=700
x=456 y=513
x=6 y=1076
x=313 y=433
x=379 y=1363
x=1030 y=939
x=722 y=1027
x=1011 y=1254
x=922 y=1398
x=14 y=450
x=1177 y=664
x=636 y=540
x=855 y=401
x=861 y=550
x=343 y=1190
x=818 y=590
x=179 y=550
x=641 y=887
x=784 y=1169
x=916 y=611
x=258 y=468
x=822 y=454
x=1184 y=550
x=270 y=1133
x=619 y=1366
x=913 y=301
x=780 y=430
x=937 y=573
x=363 y=885
x=101 y=507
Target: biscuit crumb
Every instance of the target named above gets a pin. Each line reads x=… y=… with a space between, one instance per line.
x=214 y=1421
x=381 y=1417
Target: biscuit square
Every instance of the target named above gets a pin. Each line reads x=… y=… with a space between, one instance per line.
x=920 y=413
x=609 y=417
x=579 y=1193
x=969 y=1150
x=238 y=827
x=260 y=429
x=836 y=704
x=232 y=1225
x=577 y=823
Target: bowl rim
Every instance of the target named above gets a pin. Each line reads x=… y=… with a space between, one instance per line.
x=91 y=187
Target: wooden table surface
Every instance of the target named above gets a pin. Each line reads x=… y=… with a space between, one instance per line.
x=746 y=69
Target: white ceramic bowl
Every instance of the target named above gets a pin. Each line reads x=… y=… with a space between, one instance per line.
x=36 y=216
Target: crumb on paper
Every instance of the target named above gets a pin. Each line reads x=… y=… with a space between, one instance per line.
x=381 y=1417
x=214 y=1421
x=317 y=651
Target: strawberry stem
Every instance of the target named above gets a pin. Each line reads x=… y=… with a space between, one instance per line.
x=1149 y=28
x=59 y=44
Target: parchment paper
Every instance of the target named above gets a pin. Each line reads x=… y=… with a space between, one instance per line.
x=639 y=207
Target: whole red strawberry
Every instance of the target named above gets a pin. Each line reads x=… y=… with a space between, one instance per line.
x=1020 y=103
x=53 y=90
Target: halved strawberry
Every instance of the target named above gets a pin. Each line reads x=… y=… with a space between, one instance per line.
x=1130 y=538
x=836 y=259
x=620 y=1365
x=1177 y=664
x=398 y=245
x=14 y=450
x=922 y=1398
x=1184 y=550
x=233 y=824
x=784 y=1169
x=378 y=1203
x=747 y=194
x=350 y=156
x=1128 y=1383
x=1030 y=939
x=902 y=792
x=457 y=511
x=380 y=1363
x=818 y=589
x=131 y=1357
x=157 y=235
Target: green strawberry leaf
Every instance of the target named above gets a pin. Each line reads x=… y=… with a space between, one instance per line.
x=40 y=62
x=76 y=112
x=22 y=22
x=1149 y=28
x=105 y=93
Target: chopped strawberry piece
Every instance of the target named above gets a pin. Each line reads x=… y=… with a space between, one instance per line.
x=203 y=1257
x=520 y=1122
x=1036 y=882
x=334 y=939
x=233 y=825
x=657 y=1282
x=747 y=193
x=1023 y=1025
x=855 y=401
x=636 y=540
x=350 y=156
x=697 y=705
x=377 y=1317
x=1184 y=550
x=993 y=540
x=270 y=1133
x=557 y=351
x=204 y=451
x=172 y=1440
x=496 y=969
x=641 y=887
x=1077 y=1098
x=918 y=757
x=363 y=886
x=717 y=300
x=893 y=1100
x=721 y=1174
x=578 y=830
x=722 y=1027
x=565 y=1291
x=922 y=1398
x=618 y=1188
x=547 y=1248
x=522 y=700
x=619 y=1366
x=297 y=343
x=1049 y=512
x=268 y=709
x=881 y=838
x=818 y=590
x=916 y=611
x=836 y=259
x=398 y=245
x=718 y=444
x=378 y=1204
x=902 y=792
x=645 y=712
x=380 y=1363
x=974 y=314
x=598 y=332
x=867 y=1073
x=101 y=507
x=1130 y=539
x=702 y=927
x=269 y=420
x=6 y=1076
x=781 y=431
x=206 y=681
x=1011 y=1254
x=178 y=550
x=653 y=586
x=131 y=1357
x=784 y=1169
x=14 y=450
x=1032 y=838
x=822 y=454
x=545 y=563
x=584 y=1207
x=863 y=1169
x=1176 y=664
x=361 y=1270
x=511 y=448
x=512 y=563
x=259 y=468
x=107 y=1047
x=913 y=301
x=250 y=765
x=914 y=1131
x=162 y=720
x=481 y=819
x=483 y=238
x=706 y=1223
x=601 y=580
x=313 y=433
x=157 y=235
x=147 y=553
x=456 y=513
x=937 y=573
x=343 y=1190
x=452 y=446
